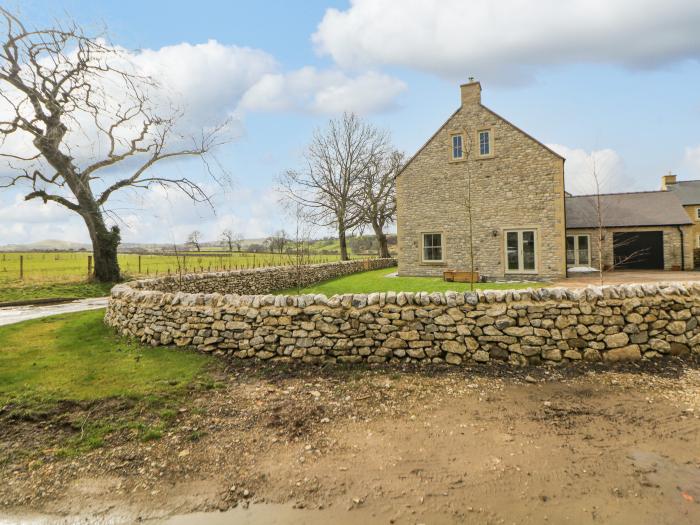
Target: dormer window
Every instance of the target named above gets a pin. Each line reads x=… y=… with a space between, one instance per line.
x=485 y=148
x=457 y=147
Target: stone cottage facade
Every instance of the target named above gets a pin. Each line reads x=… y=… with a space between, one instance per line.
x=482 y=182
x=688 y=193
x=481 y=177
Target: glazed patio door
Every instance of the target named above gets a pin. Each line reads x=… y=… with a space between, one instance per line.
x=520 y=251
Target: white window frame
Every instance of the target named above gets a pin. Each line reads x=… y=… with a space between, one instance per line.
x=577 y=261
x=452 y=147
x=521 y=258
x=697 y=213
x=478 y=143
x=422 y=248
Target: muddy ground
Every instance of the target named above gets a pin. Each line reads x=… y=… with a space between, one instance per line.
x=486 y=444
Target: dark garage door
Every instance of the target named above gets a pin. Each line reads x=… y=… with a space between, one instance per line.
x=639 y=250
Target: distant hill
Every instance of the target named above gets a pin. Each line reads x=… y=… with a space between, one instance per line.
x=328 y=246
x=45 y=246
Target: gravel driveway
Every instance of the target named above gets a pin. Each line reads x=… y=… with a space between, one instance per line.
x=16 y=314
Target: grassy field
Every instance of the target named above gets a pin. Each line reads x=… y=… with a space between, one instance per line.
x=75 y=358
x=52 y=267
x=377 y=281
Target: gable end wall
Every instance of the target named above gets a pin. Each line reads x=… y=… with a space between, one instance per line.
x=521 y=186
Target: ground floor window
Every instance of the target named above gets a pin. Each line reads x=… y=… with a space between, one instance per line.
x=521 y=253
x=578 y=251
x=432 y=247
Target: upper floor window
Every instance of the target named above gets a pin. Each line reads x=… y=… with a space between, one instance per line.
x=457 y=147
x=697 y=213
x=485 y=143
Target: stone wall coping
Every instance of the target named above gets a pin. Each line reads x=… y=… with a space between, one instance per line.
x=138 y=292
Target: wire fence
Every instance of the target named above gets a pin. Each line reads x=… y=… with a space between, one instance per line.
x=77 y=266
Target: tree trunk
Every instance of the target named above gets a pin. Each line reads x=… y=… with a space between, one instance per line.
x=383 y=250
x=343 y=244
x=104 y=247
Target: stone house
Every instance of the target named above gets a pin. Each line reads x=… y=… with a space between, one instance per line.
x=482 y=182
x=516 y=185
x=688 y=193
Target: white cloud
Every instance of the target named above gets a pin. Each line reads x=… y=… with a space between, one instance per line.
x=692 y=157
x=509 y=38
x=328 y=92
x=580 y=166
x=212 y=79
x=154 y=215
x=211 y=83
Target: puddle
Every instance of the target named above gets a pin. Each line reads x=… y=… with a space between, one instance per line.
x=259 y=514
x=275 y=514
x=678 y=481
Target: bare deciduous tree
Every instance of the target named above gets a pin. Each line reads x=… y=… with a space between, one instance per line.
x=58 y=88
x=300 y=256
x=376 y=200
x=599 y=211
x=194 y=239
x=277 y=241
x=470 y=208
x=336 y=159
x=230 y=239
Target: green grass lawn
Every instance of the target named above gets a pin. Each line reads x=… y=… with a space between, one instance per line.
x=29 y=291
x=76 y=358
x=377 y=281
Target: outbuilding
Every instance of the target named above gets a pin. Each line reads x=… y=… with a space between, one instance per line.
x=646 y=230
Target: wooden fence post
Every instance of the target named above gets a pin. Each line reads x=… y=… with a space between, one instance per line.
x=89 y=266
x=139 y=264
x=21 y=267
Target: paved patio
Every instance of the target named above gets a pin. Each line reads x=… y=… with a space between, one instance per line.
x=628 y=277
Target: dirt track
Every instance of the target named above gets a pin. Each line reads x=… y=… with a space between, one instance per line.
x=421 y=445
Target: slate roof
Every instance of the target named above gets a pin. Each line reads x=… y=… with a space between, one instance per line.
x=688 y=191
x=644 y=208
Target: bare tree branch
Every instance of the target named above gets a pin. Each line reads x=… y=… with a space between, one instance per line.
x=329 y=187
x=58 y=84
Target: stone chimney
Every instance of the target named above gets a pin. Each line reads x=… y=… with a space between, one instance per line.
x=667 y=180
x=471 y=93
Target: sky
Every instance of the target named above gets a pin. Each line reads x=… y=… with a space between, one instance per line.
x=615 y=84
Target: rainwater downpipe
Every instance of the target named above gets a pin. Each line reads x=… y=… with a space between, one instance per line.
x=680 y=230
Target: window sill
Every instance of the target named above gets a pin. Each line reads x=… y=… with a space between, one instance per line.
x=433 y=263
x=456 y=161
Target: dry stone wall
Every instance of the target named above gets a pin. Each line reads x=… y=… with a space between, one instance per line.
x=261 y=280
x=533 y=326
